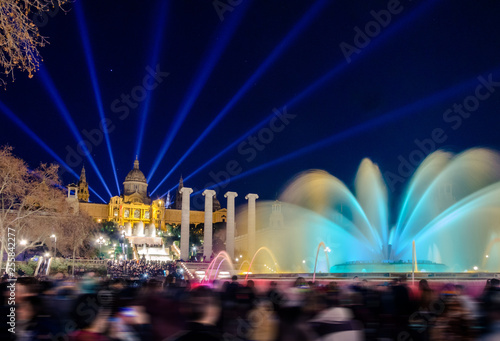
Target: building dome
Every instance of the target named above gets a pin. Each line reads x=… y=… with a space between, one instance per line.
x=136 y=174
x=135 y=186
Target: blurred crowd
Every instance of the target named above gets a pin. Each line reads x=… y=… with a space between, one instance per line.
x=132 y=268
x=171 y=308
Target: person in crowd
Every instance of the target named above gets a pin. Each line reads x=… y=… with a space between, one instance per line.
x=202 y=311
x=90 y=316
x=453 y=323
x=274 y=296
x=336 y=323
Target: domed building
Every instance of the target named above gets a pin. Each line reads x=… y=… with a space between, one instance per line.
x=134 y=206
x=135 y=209
x=135 y=186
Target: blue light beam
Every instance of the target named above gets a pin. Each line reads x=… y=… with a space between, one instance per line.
x=374 y=43
x=50 y=87
x=366 y=126
x=93 y=76
x=222 y=152
x=277 y=51
x=320 y=81
x=10 y=115
x=160 y=24
x=220 y=41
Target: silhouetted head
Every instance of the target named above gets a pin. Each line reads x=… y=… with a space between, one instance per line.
x=423 y=284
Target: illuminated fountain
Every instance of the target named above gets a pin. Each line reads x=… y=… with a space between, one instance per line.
x=451 y=209
x=270 y=253
x=219 y=259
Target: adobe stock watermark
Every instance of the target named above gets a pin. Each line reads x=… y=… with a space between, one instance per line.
x=121 y=106
x=424 y=318
x=223 y=6
x=255 y=319
x=363 y=36
x=10 y=269
x=86 y=311
x=249 y=148
x=454 y=118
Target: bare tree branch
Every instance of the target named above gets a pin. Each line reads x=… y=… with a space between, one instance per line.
x=20 y=38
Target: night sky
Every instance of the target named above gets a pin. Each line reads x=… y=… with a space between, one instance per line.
x=400 y=85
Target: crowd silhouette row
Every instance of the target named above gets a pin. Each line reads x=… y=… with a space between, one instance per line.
x=138 y=302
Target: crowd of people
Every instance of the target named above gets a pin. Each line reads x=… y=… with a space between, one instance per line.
x=171 y=308
x=143 y=268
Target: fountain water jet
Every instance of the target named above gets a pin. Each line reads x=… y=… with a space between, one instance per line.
x=263 y=248
x=488 y=251
x=217 y=271
x=316 y=260
x=452 y=204
x=222 y=254
x=241 y=266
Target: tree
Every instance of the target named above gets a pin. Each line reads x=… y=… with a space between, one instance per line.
x=20 y=37
x=32 y=204
x=78 y=232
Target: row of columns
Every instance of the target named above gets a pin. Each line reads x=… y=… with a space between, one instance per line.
x=230 y=222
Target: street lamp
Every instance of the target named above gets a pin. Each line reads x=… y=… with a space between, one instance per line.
x=55 y=244
x=100 y=241
x=23 y=242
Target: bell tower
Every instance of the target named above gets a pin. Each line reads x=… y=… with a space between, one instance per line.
x=83 y=187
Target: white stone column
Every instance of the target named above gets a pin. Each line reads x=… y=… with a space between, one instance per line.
x=251 y=223
x=230 y=223
x=152 y=230
x=208 y=229
x=185 y=192
x=140 y=229
x=128 y=229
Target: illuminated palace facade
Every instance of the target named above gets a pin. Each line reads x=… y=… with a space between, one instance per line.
x=135 y=206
